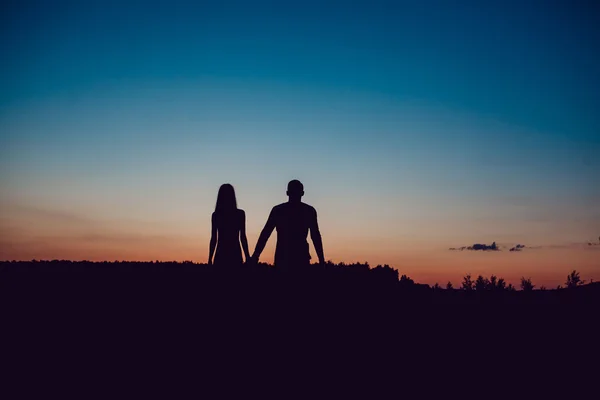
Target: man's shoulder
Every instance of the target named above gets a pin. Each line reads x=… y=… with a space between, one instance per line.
x=309 y=208
x=287 y=204
x=281 y=206
x=294 y=208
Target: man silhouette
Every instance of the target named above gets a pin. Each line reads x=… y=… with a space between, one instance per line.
x=292 y=221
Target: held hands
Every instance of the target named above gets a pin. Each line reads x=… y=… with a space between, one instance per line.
x=252 y=261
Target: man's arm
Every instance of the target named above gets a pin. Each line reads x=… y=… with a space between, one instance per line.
x=264 y=236
x=315 y=235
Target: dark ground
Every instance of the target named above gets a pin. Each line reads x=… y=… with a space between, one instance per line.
x=134 y=328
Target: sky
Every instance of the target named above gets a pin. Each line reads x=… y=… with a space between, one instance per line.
x=415 y=126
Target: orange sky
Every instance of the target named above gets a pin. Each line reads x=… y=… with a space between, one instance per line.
x=28 y=232
x=118 y=126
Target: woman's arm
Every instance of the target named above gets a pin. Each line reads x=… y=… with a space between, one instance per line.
x=213 y=240
x=243 y=237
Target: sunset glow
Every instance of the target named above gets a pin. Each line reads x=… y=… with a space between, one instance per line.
x=118 y=125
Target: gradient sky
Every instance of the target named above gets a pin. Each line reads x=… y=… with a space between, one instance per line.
x=415 y=127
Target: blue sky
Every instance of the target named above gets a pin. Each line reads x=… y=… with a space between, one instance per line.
x=541 y=58
x=402 y=114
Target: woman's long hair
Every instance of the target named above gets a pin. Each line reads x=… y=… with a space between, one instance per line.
x=226 y=201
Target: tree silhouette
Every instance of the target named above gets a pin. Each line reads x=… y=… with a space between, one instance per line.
x=482 y=283
x=467 y=283
x=510 y=288
x=493 y=282
x=384 y=273
x=526 y=284
x=501 y=285
x=574 y=280
x=449 y=285
x=405 y=280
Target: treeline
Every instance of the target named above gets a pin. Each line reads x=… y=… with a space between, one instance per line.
x=493 y=283
x=383 y=274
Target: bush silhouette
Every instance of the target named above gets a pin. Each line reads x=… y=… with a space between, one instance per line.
x=574 y=280
x=526 y=284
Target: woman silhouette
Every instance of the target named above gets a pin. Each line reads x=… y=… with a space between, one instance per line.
x=228 y=229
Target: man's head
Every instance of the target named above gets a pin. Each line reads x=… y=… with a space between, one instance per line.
x=295 y=190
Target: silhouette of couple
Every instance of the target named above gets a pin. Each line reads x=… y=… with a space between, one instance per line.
x=292 y=220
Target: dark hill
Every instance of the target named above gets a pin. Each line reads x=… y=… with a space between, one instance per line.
x=259 y=326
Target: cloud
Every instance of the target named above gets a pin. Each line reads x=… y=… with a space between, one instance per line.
x=521 y=247
x=573 y=245
x=478 y=247
x=518 y=247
